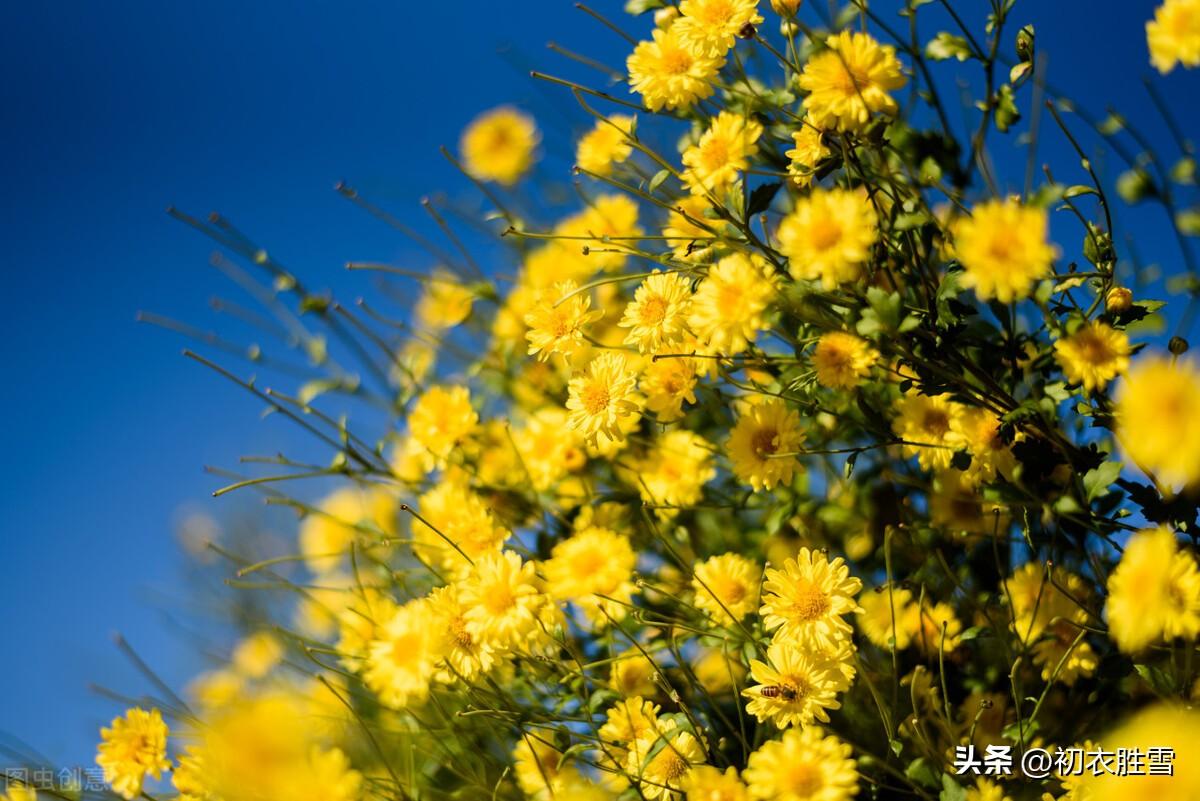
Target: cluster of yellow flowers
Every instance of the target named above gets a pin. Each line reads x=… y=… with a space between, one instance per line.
x=616 y=544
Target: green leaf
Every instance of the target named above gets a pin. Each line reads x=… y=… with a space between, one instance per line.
x=951 y=790
x=657 y=180
x=1184 y=171
x=1188 y=221
x=1097 y=480
x=1134 y=185
x=761 y=197
x=947 y=45
x=1006 y=108
x=635 y=7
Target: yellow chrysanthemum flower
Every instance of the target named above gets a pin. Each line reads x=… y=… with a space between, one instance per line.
x=441 y=418
x=1173 y=36
x=805 y=600
x=556 y=325
x=803 y=765
x=1158 y=419
x=632 y=674
x=364 y=515
x=539 y=767
x=135 y=746
x=727 y=586
x=605 y=145
x=19 y=792
x=991 y=456
x=1093 y=355
x=548 y=447
x=360 y=623
x=885 y=618
x=706 y=783
x=657 y=315
x=499 y=145
x=711 y=27
x=1154 y=593
x=257 y=655
x=669 y=75
x=930 y=428
x=445 y=302
x=729 y=307
x=809 y=151
x=829 y=236
x=764 y=443
x=936 y=626
x=688 y=231
x=1003 y=249
x=722 y=153
x=1052 y=621
x=668 y=383
x=601 y=396
x=402 y=660
x=460 y=527
x=850 y=81
x=842 y=360
x=605 y=228
x=986 y=790
x=1166 y=726
x=503 y=599
x=796 y=685
x=463 y=657
x=594 y=569
x=672 y=474
x=672 y=755
x=628 y=721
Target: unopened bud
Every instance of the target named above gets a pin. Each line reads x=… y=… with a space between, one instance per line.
x=1119 y=299
x=747 y=31
x=665 y=16
x=1178 y=346
x=786 y=8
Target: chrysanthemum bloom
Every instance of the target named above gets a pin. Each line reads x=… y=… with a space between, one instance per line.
x=936 y=626
x=669 y=383
x=675 y=753
x=1003 y=249
x=706 y=783
x=556 y=325
x=360 y=623
x=135 y=746
x=990 y=454
x=594 y=569
x=257 y=654
x=986 y=790
x=657 y=315
x=672 y=474
x=1158 y=419
x=803 y=765
x=930 y=428
x=764 y=443
x=1093 y=355
x=669 y=75
x=499 y=145
x=365 y=515
x=829 y=236
x=539 y=766
x=632 y=674
x=461 y=527
x=1171 y=726
x=718 y=673
x=1051 y=621
x=842 y=360
x=850 y=81
x=884 y=618
x=401 y=662
x=729 y=307
x=629 y=721
x=1173 y=36
x=605 y=229
x=503 y=598
x=805 y=600
x=441 y=418
x=809 y=151
x=463 y=657
x=727 y=586
x=548 y=448
x=1154 y=594
x=795 y=686
x=603 y=394
x=445 y=302
x=711 y=27
x=689 y=231
x=605 y=145
x=723 y=152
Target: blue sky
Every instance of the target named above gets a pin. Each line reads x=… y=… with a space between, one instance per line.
x=112 y=112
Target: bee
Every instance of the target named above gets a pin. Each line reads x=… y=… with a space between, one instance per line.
x=786 y=692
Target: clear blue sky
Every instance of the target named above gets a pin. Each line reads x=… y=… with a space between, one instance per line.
x=113 y=111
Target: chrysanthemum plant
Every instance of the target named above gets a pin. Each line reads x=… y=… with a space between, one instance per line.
x=795 y=463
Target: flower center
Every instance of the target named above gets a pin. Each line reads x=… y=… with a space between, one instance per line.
x=826 y=233
x=653 y=311
x=676 y=62
x=595 y=398
x=803 y=779
x=809 y=602
x=936 y=422
x=765 y=441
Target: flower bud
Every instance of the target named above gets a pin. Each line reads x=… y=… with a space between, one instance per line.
x=786 y=8
x=1119 y=299
x=1178 y=346
x=665 y=16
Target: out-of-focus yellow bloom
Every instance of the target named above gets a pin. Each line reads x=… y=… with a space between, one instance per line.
x=593 y=569
x=809 y=151
x=803 y=765
x=499 y=145
x=930 y=428
x=805 y=601
x=729 y=307
x=667 y=74
x=849 y=81
x=441 y=418
x=556 y=325
x=685 y=231
x=463 y=656
x=549 y=449
x=1173 y=36
x=764 y=443
x=602 y=395
x=829 y=236
x=711 y=27
x=884 y=618
x=1164 y=726
x=842 y=360
x=727 y=586
x=363 y=515
x=135 y=746
x=667 y=384
x=991 y=456
x=606 y=144
x=445 y=303
x=606 y=229
x=718 y=672
x=672 y=474
x=1003 y=249
x=460 y=527
x=797 y=684
x=1093 y=355
x=401 y=661
x=1154 y=594
x=18 y=792
x=258 y=654
x=632 y=674
x=723 y=152
x=985 y=789
x=937 y=628
x=706 y=783
x=502 y=598
x=1158 y=419
x=1052 y=621
x=360 y=623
